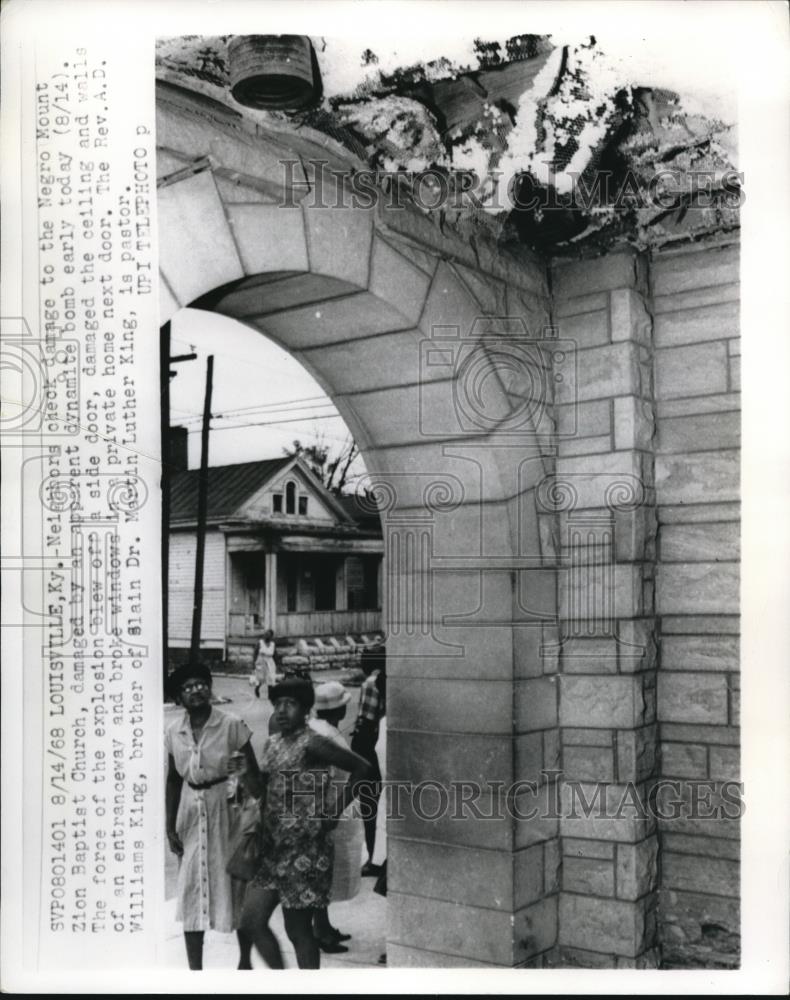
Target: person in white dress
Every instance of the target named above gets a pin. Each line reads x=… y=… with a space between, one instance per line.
x=331 y=699
x=264 y=669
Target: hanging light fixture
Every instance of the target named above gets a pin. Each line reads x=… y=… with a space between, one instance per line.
x=274 y=72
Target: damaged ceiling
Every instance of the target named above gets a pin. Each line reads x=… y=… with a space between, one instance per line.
x=568 y=154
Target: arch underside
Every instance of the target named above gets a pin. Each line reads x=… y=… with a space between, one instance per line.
x=367 y=327
x=385 y=320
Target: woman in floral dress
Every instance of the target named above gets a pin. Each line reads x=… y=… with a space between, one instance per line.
x=298 y=819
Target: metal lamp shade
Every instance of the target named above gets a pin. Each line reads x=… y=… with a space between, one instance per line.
x=273 y=72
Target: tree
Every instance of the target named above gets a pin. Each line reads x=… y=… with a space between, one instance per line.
x=331 y=469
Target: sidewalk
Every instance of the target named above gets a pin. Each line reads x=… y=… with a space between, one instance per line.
x=364 y=917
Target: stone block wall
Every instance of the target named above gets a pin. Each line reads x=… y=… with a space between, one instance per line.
x=697 y=366
x=648 y=604
x=607 y=526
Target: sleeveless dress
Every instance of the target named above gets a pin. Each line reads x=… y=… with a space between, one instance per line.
x=208 y=898
x=265 y=669
x=296 y=851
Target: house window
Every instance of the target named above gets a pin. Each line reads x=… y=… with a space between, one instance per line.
x=290 y=498
x=277 y=503
x=248 y=586
x=362 y=583
x=303 y=506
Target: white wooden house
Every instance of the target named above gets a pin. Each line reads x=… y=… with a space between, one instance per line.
x=282 y=552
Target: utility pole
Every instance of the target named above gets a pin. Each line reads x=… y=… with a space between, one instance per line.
x=197 y=605
x=165 y=374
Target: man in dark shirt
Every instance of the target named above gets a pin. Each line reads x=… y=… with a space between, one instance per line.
x=372 y=706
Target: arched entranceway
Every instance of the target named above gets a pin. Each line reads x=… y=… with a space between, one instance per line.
x=383 y=318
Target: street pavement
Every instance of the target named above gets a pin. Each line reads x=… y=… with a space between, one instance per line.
x=364 y=917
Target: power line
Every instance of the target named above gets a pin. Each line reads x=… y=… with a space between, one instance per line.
x=309 y=434
x=309 y=411
x=313 y=432
x=282 y=404
x=268 y=367
x=269 y=423
x=269 y=409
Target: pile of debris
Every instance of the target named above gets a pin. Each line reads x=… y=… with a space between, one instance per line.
x=563 y=151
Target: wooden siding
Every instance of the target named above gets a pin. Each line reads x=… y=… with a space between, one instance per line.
x=181 y=585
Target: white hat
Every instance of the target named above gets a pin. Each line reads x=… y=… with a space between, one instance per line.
x=329 y=695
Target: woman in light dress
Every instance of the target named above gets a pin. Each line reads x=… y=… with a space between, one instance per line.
x=264 y=669
x=206 y=747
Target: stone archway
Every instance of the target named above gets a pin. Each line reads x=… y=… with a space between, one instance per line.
x=383 y=317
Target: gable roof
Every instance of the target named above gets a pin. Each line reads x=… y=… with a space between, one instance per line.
x=229 y=486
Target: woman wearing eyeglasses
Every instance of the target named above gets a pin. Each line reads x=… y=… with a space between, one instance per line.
x=205 y=747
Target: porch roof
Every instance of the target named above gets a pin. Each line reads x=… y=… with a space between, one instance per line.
x=302 y=537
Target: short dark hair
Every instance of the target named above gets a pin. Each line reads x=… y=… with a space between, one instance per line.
x=194 y=670
x=298 y=688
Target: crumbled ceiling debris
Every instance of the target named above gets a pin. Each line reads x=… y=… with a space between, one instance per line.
x=568 y=152
x=398 y=132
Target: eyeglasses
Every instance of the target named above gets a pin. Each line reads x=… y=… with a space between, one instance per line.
x=195 y=686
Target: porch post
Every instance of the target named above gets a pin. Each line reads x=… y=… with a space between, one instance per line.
x=270 y=591
x=227 y=588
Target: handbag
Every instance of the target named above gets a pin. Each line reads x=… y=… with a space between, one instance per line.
x=244 y=857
